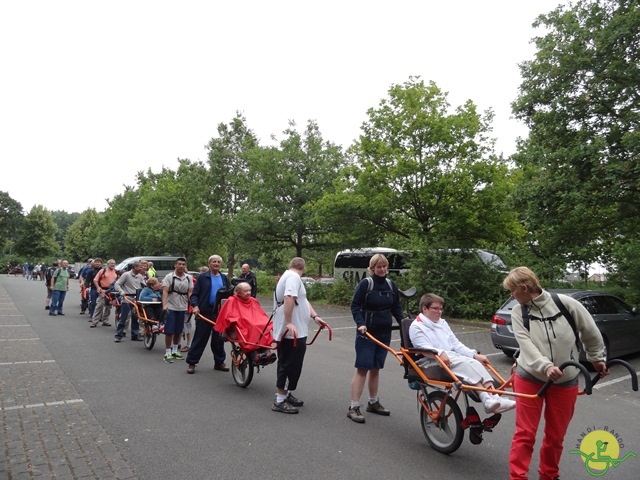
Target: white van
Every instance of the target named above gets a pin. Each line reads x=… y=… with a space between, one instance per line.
x=351 y=265
x=162 y=265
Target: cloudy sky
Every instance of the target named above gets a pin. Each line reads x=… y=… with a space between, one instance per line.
x=93 y=92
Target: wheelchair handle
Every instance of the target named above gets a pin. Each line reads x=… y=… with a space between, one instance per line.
x=583 y=371
x=407 y=293
x=632 y=373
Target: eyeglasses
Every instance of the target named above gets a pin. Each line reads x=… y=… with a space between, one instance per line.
x=437 y=309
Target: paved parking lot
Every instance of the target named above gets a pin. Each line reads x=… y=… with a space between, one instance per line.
x=75 y=405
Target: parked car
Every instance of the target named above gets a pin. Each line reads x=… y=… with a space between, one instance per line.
x=307 y=281
x=617 y=321
x=326 y=280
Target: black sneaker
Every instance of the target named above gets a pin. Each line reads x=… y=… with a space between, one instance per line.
x=284 y=407
x=378 y=409
x=293 y=401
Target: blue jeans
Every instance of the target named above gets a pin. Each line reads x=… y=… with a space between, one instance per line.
x=93 y=299
x=57 y=299
x=124 y=313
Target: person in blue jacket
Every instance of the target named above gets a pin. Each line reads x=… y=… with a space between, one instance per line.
x=203 y=301
x=375 y=304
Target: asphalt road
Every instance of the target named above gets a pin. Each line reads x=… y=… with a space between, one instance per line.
x=168 y=424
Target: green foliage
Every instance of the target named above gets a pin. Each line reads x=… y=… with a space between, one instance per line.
x=339 y=293
x=266 y=283
x=36 y=237
x=171 y=218
x=287 y=181
x=79 y=239
x=579 y=97
x=10 y=219
x=227 y=186
x=471 y=289
x=422 y=170
x=112 y=232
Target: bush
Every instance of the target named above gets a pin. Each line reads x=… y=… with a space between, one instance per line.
x=340 y=293
x=471 y=289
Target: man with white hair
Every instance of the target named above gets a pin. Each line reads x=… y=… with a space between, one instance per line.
x=203 y=300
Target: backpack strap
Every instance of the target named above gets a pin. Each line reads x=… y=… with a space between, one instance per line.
x=566 y=314
x=563 y=311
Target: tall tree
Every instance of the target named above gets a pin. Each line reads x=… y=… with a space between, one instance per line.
x=112 y=231
x=80 y=238
x=580 y=98
x=171 y=217
x=422 y=171
x=228 y=184
x=287 y=181
x=10 y=218
x=36 y=238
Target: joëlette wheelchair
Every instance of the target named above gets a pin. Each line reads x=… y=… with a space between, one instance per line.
x=249 y=355
x=149 y=317
x=438 y=390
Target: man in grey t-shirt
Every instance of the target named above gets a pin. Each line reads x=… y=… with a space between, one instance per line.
x=127 y=286
x=176 y=294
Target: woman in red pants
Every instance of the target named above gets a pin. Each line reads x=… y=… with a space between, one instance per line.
x=547 y=343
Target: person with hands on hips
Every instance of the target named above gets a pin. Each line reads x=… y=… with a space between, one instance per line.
x=374 y=305
x=292 y=312
x=547 y=343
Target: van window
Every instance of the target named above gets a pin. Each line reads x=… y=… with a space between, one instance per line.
x=162 y=265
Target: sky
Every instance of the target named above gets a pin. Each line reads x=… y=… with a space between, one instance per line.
x=93 y=92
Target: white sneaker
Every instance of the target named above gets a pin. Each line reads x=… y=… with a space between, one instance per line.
x=491 y=405
x=506 y=405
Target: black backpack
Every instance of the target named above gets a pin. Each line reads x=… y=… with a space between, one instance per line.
x=49 y=274
x=562 y=313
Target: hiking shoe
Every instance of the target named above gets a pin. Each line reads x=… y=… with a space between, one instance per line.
x=118 y=339
x=47 y=307
x=93 y=325
x=106 y=324
x=191 y=369
x=284 y=407
x=222 y=367
x=378 y=409
x=177 y=356
x=355 y=415
x=168 y=358
x=293 y=401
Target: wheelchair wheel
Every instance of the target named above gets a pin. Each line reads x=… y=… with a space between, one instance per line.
x=241 y=367
x=149 y=338
x=444 y=434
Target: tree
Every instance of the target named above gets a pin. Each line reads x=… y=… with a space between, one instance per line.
x=112 y=231
x=36 y=238
x=287 y=181
x=171 y=217
x=580 y=194
x=80 y=238
x=10 y=218
x=227 y=188
x=63 y=220
x=422 y=172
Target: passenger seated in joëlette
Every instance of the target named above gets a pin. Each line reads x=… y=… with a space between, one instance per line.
x=430 y=331
x=243 y=320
